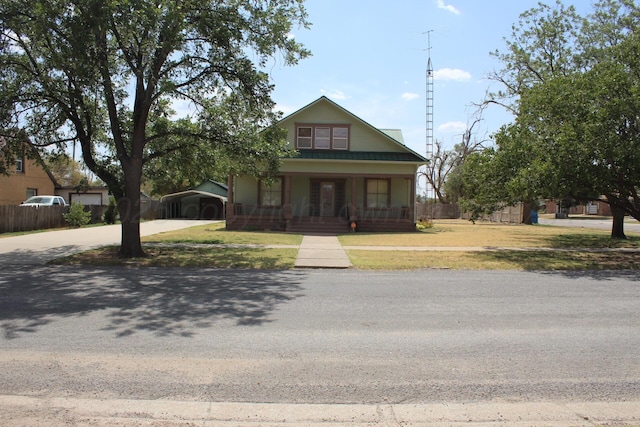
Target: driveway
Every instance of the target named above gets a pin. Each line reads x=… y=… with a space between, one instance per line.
x=39 y=248
x=586 y=222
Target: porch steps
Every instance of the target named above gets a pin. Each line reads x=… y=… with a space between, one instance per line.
x=319 y=225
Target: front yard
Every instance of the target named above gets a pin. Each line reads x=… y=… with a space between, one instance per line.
x=449 y=244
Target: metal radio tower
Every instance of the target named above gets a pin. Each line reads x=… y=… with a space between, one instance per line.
x=429 y=134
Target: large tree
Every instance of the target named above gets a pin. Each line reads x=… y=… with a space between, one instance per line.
x=573 y=85
x=107 y=74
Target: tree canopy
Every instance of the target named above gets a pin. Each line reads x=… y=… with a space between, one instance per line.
x=573 y=84
x=109 y=75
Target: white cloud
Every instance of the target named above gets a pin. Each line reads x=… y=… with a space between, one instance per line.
x=452 y=74
x=285 y=109
x=441 y=5
x=334 y=94
x=453 y=127
x=408 y=96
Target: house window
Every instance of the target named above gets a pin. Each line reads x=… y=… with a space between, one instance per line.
x=340 y=138
x=32 y=192
x=377 y=193
x=20 y=165
x=322 y=137
x=271 y=194
x=304 y=137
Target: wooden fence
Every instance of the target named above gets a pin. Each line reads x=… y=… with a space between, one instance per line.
x=433 y=210
x=517 y=214
x=26 y=218
x=510 y=214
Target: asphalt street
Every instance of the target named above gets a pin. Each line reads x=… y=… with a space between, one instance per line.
x=312 y=337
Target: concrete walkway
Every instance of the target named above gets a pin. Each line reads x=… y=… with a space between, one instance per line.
x=321 y=252
x=33 y=410
x=39 y=248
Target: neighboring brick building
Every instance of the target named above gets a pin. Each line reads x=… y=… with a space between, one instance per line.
x=28 y=178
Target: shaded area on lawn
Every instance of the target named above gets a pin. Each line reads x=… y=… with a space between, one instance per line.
x=591 y=240
x=162 y=301
x=189 y=256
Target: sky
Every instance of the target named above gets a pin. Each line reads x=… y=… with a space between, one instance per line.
x=370 y=57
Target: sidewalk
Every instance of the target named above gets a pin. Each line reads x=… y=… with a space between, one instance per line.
x=321 y=252
x=29 y=410
x=39 y=248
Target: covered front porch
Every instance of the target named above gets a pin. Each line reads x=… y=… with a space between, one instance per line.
x=328 y=203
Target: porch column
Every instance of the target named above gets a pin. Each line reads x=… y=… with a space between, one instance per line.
x=287 y=200
x=230 y=198
x=412 y=200
x=353 y=209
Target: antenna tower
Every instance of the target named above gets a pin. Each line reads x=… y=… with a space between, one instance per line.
x=429 y=119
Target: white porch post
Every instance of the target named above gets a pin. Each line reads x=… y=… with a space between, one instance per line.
x=353 y=209
x=287 y=200
x=230 y=198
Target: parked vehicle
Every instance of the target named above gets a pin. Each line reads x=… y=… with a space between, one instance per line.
x=44 y=201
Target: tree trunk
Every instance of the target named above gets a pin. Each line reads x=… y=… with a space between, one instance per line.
x=129 y=208
x=617 y=230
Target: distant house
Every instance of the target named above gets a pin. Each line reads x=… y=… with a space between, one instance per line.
x=93 y=195
x=342 y=173
x=28 y=178
x=205 y=201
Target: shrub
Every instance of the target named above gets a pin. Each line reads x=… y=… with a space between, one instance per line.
x=424 y=224
x=111 y=213
x=77 y=216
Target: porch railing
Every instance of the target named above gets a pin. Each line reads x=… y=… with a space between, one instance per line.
x=392 y=213
x=258 y=210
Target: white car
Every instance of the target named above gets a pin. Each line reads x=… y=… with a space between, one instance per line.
x=44 y=201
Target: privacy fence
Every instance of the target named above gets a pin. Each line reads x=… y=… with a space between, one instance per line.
x=26 y=218
x=433 y=210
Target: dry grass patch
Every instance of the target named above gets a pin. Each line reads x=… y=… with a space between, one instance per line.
x=459 y=233
x=494 y=260
x=218 y=234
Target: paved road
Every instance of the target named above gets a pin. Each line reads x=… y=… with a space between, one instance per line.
x=587 y=222
x=298 y=337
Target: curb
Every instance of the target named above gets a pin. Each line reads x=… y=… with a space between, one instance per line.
x=23 y=410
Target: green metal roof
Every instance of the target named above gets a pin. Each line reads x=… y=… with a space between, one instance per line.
x=380 y=156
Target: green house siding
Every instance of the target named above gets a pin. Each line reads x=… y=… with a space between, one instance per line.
x=246 y=190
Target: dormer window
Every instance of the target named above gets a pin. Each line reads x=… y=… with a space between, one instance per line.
x=322 y=137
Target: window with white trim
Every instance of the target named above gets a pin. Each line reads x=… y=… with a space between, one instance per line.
x=340 y=138
x=322 y=137
x=20 y=164
x=271 y=194
x=304 y=138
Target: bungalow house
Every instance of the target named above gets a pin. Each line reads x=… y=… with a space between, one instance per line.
x=205 y=201
x=342 y=173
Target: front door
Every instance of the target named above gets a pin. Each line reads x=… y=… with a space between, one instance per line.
x=327 y=199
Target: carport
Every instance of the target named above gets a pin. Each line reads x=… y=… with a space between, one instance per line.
x=193 y=204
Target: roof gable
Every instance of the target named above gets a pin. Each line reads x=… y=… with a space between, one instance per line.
x=363 y=136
